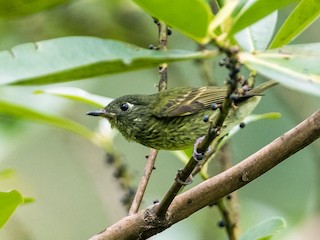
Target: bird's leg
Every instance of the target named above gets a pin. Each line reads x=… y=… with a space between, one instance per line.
x=196 y=155
x=184 y=183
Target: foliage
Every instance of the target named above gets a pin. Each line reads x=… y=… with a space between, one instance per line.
x=247 y=24
x=264 y=230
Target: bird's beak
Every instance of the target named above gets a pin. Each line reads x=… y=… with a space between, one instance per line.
x=101 y=113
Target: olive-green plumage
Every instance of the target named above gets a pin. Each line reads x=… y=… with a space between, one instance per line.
x=172 y=119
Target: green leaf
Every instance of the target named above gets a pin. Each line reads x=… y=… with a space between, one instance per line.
x=27 y=200
x=16 y=8
x=221 y=3
x=256 y=11
x=295 y=66
x=300 y=18
x=258 y=35
x=72 y=58
x=191 y=17
x=77 y=94
x=9 y=201
x=251 y=118
x=264 y=230
x=33 y=115
x=6 y=173
x=183 y=155
x=236 y=117
x=222 y=22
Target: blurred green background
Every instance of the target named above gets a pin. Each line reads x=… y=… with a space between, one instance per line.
x=75 y=191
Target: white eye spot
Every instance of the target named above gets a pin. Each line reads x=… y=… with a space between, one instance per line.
x=125 y=106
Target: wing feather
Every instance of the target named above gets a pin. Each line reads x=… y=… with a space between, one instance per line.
x=186 y=101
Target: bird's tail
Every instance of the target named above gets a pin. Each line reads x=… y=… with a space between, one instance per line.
x=262 y=87
x=256 y=91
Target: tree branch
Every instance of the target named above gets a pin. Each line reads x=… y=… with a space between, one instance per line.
x=162 y=85
x=143 y=182
x=145 y=223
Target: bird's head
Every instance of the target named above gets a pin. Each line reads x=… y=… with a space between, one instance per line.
x=126 y=112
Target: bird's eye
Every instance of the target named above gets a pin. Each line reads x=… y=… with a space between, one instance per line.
x=124 y=106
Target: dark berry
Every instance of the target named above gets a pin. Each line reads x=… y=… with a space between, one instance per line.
x=221 y=223
x=206 y=118
x=214 y=106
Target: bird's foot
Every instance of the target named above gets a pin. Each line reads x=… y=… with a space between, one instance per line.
x=196 y=155
x=188 y=181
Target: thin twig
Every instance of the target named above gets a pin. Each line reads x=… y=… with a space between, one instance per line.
x=226 y=216
x=143 y=182
x=121 y=174
x=183 y=175
x=228 y=211
x=162 y=85
x=145 y=223
x=163 y=68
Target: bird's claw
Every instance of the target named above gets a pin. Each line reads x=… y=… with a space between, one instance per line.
x=196 y=155
x=188 y=181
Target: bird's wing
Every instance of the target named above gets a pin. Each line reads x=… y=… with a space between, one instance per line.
x=188 y=101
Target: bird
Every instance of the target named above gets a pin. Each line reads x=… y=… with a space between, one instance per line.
x=174 y=119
